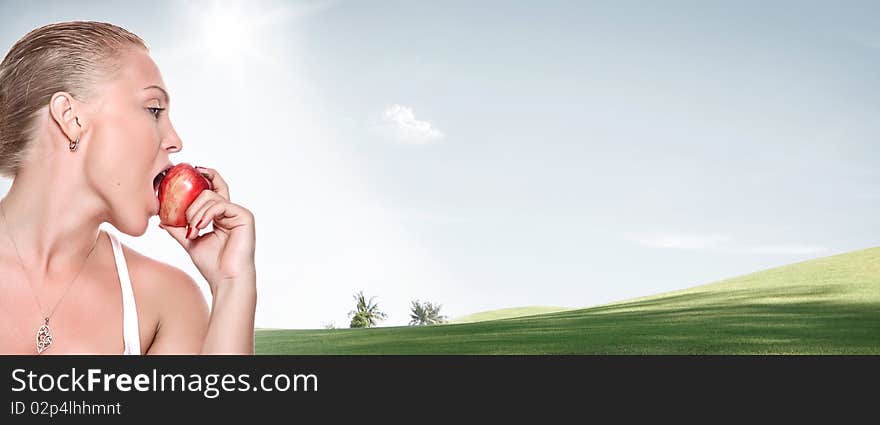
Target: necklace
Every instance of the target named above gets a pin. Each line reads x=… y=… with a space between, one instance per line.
x=44 y=334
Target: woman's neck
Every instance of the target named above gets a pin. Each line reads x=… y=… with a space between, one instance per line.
x=52 y=221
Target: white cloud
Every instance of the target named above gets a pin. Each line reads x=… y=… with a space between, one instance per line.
x=715 y=242
x=399 y=123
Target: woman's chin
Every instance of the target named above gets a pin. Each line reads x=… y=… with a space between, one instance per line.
x=134 y=229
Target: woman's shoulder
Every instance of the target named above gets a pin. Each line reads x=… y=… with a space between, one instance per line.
x=170 y=301
x=160 y=282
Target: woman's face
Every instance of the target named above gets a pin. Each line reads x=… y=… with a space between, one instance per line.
x=128 y=140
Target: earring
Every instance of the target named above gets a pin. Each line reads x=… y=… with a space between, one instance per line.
x=75 y=143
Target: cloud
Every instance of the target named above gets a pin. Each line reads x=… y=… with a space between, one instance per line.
x=399 y=123
x=721 y=243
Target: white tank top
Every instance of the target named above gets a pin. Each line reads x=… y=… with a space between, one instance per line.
x=130 y=334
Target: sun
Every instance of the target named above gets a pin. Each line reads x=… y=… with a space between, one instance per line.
x=237 y=33
x=226 y=30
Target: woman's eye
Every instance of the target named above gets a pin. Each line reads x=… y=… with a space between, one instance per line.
x=156 y=111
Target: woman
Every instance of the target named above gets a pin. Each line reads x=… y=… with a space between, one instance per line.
x=85 y=133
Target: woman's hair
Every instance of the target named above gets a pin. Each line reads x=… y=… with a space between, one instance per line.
x=65 y=56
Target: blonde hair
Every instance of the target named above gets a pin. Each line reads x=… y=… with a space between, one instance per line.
x=64 y=56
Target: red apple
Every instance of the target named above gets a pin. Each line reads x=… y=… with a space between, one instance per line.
x=177 y=191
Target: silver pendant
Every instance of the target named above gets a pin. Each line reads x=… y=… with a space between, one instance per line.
x=44 y=337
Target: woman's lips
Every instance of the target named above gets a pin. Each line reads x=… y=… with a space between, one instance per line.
x=158 y=179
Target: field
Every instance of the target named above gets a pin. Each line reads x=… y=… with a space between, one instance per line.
x=506 y=313
x=824 y=306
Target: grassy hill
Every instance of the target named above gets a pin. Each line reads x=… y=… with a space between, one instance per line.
x=824 y=306
x=507 y=313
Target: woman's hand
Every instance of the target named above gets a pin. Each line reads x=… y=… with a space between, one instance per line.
x=225 y=255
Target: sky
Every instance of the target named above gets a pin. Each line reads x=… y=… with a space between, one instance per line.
x=493 y=154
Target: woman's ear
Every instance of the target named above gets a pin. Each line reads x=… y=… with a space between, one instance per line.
x=62 y=110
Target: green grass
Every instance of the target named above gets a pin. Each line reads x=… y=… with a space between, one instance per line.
x=507 y=313
x=824 y=306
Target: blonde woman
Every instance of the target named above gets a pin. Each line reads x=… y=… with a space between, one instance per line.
x=85 y=134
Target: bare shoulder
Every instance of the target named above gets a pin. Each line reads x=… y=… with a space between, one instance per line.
x=160 y=280
x=172 y=298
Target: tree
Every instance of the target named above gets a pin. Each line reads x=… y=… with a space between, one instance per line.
x=366 y=313
x=425 y=313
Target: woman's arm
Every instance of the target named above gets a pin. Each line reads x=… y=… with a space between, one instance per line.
x=231 y=330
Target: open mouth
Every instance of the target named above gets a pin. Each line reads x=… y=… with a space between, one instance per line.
x=158 y=179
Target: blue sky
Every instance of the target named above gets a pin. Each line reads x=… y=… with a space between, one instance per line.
x=496 y=154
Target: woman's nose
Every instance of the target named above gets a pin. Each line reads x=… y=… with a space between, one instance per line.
x=173 y=142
